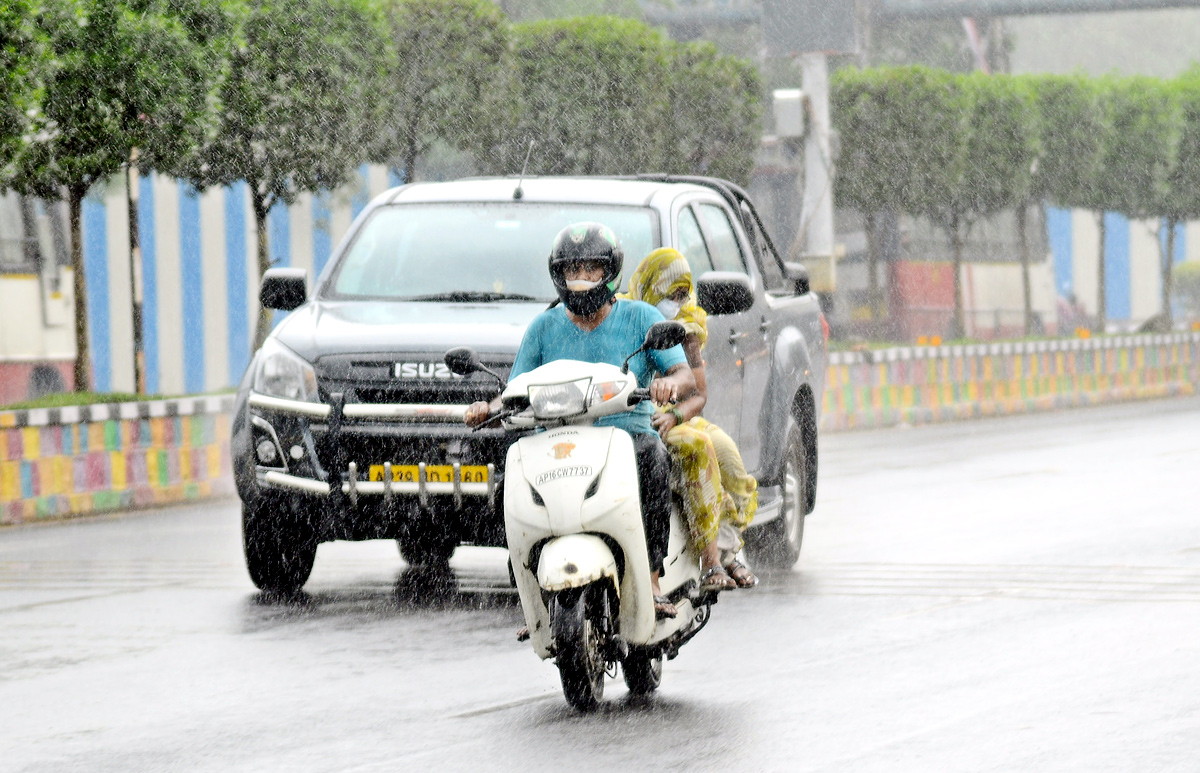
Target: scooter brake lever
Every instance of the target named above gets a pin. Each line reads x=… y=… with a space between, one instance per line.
x=502 y=415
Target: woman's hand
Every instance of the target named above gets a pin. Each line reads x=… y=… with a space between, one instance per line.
x=663 y=423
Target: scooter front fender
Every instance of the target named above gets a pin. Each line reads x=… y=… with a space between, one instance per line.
x=575 y=560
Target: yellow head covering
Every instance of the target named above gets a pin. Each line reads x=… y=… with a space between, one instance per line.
x=658 y=276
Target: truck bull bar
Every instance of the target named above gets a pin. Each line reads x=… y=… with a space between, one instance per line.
x=352 y=488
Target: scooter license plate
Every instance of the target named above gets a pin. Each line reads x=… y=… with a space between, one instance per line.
x=434 y=473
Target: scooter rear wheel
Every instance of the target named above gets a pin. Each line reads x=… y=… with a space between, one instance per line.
x=577 y=622
x=643 y=671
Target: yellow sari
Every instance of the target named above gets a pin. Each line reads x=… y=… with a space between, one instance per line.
x=708 y=470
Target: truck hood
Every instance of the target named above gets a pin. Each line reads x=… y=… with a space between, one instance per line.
x=321 y=328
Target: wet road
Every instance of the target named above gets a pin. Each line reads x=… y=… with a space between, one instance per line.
x=1013 y=594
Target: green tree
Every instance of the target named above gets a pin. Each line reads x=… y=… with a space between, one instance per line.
x=125 y=75
x=715 y=109
x=1071 y=133
x=447 y=81
x=1181 y=196
x=593 y=93
x=901 y=132
x=1143 y=123
x=22 y=61
x=999 y=142
x=299 y=105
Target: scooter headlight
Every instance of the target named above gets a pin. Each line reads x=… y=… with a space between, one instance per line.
x=282 y=373
x=556 y=401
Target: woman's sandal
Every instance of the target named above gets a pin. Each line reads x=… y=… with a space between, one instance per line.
x=741 y=574
x=716 y=579
x=663 y=608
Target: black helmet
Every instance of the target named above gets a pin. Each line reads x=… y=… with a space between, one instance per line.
x=587 y=241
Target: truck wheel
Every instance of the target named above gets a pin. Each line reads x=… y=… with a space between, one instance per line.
x=419 y=550
x=280 y=547
x=578 y=628
x=643 y=671
x=776 y=544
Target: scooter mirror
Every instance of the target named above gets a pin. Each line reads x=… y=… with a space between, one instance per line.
x=462 y=360
x=664 y=335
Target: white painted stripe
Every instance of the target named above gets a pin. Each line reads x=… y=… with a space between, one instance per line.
x=69 y=415
x=1145 y=280
x=216 y=319
x=340 y=215
x=1085 y=240
x=170 y=291
x=300 y=217
x=128 y=410
x=120 y=306
x=1191 y=245
x=38 y=417
x=377 y=180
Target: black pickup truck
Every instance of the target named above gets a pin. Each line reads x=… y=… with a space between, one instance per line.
x=348 y=425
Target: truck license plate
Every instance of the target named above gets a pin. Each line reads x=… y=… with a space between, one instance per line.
x=434 y=473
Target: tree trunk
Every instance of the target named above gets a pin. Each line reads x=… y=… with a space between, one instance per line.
x=873 y=272
x=135 y=274
x=958 y=328
x=1026 y=292
x=82 y=376
x=261 y=209
x=1168 y=265
x=410 y=161
x=1101 y=296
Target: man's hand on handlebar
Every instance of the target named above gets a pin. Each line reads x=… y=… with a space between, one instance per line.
x=478 y=412
x=678 y=383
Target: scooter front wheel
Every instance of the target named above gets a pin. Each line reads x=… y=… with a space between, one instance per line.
x=577 y=620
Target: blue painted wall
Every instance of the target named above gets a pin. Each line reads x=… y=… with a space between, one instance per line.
x=1059 y=233
x=192 y=288
x=1117 y=266
x=235 y=280
x=95 y=274
x=148 y=243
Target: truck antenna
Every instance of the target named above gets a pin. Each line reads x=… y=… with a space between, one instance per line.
x=518 y=193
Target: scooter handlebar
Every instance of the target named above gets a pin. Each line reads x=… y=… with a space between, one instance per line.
x=639 y=396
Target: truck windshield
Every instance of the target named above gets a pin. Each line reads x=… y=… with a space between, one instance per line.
x=473 y=252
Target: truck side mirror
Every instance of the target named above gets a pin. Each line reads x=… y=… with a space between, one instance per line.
x=797 y=274
x=724 y=292
x=283 y=289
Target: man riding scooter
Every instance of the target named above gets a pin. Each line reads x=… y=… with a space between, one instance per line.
x=585 y=266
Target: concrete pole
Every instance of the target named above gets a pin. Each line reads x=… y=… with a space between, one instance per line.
x=818 y=173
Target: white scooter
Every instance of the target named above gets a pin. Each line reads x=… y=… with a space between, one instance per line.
x=574 y=527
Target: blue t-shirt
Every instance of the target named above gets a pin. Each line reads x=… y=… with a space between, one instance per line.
x=553 y=336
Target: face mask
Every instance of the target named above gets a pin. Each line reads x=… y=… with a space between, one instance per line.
x=668 y=308
x=581 y=285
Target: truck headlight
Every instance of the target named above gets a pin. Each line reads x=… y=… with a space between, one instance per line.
x=282 y=373
x=554 y=401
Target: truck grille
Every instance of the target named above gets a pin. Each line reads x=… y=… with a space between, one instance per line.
x=374 y=379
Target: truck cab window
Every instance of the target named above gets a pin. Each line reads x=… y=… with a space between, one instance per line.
x=691 y=243
x=726 y=251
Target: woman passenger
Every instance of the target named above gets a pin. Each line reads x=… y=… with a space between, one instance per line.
x=719 y=496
